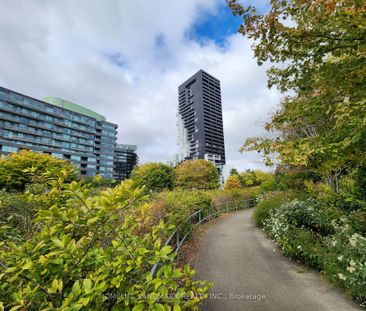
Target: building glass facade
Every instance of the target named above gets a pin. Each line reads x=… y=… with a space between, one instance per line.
x=125 y=158
x=59 y=128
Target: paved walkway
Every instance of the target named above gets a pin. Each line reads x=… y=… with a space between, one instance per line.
x=250 y=275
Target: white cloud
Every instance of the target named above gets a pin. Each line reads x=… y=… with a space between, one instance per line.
x=64 y=49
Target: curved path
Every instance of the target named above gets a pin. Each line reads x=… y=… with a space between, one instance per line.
x=250 y=275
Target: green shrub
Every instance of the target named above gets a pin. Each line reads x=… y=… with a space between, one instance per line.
x=304 y=245
x=233 y=182
x=89 y=253
x=99 y=182
x=18 y=211
x=358 y=220
x=197 y=174
x=324 y=237
x=176 y=206
x=227 y=196
x=269 y=185
x=251 y=178
x=18 y=170
x=292 y=178
x=153 y=176
x=270 y=202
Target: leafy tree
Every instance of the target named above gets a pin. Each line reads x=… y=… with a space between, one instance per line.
x=89 y=253
x=17 y=170
x=248 y=178
x=154 y=176
x=197 y=174
x=233 y=182
x=234 y=171
x=261 y=176
x=318 y=49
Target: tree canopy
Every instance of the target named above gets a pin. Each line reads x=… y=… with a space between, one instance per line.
x=318 y=55
x=17 y=170
x=233 y=182
x=154 y=176
x=197 y=174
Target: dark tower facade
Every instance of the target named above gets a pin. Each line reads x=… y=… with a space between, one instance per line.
x=125 y=159
x=200 y=126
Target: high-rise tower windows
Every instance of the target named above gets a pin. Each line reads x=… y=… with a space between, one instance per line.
x=200 y=128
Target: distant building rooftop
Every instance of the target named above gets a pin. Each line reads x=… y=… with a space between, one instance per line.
x=126 y=147
x=73 y=107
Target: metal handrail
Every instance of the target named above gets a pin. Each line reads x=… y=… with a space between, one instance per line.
x=246 y=204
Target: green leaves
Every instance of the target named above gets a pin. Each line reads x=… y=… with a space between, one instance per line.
x=56 y=286
x=57 y=242
x=323 y=237
x=92 y=252
x=319 y=59
x=197 y=174
x=87 y=286
x=18 y=170
x=27 y=265
x=153 y=176
x=165 y=251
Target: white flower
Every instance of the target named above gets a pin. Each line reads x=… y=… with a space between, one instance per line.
x=354 y=238
x=340 y=258
x=352 y=263
x=351 y=269
x=352 y=242
x=299 y=247
x=334 y=243
x=341 y=276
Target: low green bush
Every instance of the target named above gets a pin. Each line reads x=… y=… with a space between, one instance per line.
x=269 y=185
x=17 y=170
x=267 y=203
x=226 y=196
x=92 y=253
x=176 y=206
x=358 y=219
x=196 y=174
x=323 y=237
x=292 y=178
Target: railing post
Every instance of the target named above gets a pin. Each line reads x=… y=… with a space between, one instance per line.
x=199 y=216
x=177 y=240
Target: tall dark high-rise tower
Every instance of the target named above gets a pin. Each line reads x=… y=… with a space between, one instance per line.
x=200 y=127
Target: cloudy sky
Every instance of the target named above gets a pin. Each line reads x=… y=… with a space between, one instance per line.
x=125 y=60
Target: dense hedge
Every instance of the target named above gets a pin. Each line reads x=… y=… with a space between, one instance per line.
x=91 y=252
x=324 y=237
x=17 y=170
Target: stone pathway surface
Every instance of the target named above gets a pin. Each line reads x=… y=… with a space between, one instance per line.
x=250 y=275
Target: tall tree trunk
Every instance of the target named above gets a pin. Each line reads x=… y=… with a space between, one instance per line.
x=332 y=179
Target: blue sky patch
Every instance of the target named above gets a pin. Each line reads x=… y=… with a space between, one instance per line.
x=160 y=41
x=215 y=27
x=117 y=59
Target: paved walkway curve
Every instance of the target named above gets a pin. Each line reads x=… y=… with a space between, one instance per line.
x=240 y=260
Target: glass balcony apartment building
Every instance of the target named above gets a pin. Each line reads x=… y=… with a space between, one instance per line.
x=60 y=128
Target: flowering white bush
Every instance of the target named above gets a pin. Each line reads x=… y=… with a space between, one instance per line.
x=324 y=238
